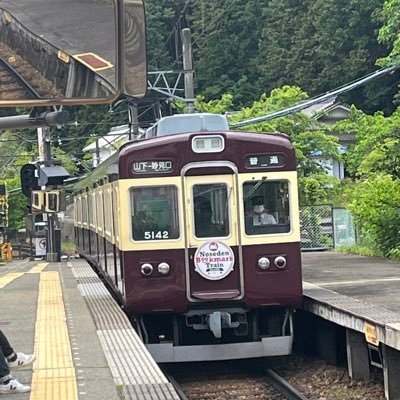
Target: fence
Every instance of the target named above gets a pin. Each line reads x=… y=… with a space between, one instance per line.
x=324 y=227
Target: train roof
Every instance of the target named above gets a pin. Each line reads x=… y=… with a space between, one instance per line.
x=185 y=123
x=272 y=138
x=110 y=166
x=107 y=167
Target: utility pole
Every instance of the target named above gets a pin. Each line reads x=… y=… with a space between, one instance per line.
x=133 y=119
x=45 y=161
x=188 y=69
x=97 y=153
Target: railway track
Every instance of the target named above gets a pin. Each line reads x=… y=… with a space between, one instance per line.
x=13 y=85
x=230 y=380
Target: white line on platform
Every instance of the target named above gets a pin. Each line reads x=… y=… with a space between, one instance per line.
x=356 y=282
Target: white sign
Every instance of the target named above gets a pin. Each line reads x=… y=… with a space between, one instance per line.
x=40 y=246
x=214 y=260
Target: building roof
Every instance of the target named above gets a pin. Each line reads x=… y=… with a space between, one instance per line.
x=316 y=109
x=116 y=135
x=328 y=111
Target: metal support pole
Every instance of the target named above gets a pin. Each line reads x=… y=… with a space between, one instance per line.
x=133 y=119
x=188 y=68
x=51 y=118
x=44 y=145
x=97 y=154
x=51 y=241
x=45 y=159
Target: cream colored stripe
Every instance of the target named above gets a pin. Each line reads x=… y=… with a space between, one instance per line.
x=6 y=279
x=38 y=268
x=53 y=371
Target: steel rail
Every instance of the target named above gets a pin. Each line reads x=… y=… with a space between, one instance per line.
x=176 y=386
x=284 y=387
x=25 y=85
x=273 y=379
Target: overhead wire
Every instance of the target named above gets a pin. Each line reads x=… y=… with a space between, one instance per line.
x=181 y=14
x=318 y=99
x=210 y=25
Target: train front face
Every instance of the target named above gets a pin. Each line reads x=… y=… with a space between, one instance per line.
x=211 y=256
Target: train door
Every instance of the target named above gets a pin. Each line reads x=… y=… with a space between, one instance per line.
x=213 y=252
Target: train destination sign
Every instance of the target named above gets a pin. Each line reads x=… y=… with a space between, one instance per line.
x=143 y=167
x=265 y=160
x=214 y=260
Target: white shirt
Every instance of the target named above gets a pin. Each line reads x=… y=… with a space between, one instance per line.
x=263 y=219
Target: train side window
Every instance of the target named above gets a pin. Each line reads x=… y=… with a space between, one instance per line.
x=115 y=206
x=107 y=212
x=84 y=211
x=91 y=204
x=155 y=213
x=211 y=211
x=266 y=206
x=99 y=210
x=79 y=210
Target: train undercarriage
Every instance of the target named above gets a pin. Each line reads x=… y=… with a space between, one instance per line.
x=210 y=334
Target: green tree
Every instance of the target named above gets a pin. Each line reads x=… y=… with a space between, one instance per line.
x=165 y=19
x=225 y=34
x=375 y=208
x=309 y=139
x=17 y=205
x=377 y=148
x=87 y=121
x=322 y=44
x=389 y=33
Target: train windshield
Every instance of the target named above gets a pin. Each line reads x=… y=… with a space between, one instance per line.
x=211 y=213
x=155 y=213
x=266 y=205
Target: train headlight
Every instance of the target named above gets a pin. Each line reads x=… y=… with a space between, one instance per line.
x=163 y=268
x=263 y=263
x=146 y=269
x=280 y=262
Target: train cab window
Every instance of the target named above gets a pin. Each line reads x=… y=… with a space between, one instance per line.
x=211 y=211
x=155 y=213
x=266 y=206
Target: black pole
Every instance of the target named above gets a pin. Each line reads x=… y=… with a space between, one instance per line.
x=50 y=118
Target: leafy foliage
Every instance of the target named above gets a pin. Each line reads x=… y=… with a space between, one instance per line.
x=17 y=205
x=318 y=189
x=87 y=122
x=310 y=141
x=377 y=148
x=252 y=46
x=165 y=19
x=389 y=33
x=375 y=208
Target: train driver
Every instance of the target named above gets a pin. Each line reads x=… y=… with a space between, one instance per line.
x=260 y=213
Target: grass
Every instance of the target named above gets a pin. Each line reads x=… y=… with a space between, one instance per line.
x=393 y=254
x=360 y=250
x=120 y=392
x=68 y=248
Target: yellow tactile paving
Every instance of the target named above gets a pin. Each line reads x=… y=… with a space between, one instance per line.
x=38 y=268
x=53 y=371
x=6 y=279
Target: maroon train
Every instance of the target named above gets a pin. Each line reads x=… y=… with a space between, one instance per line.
x=198 y=235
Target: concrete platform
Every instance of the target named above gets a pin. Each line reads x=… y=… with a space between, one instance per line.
x=66 y=24
x=371 y=279
x=360 y=294
x=84 y=344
